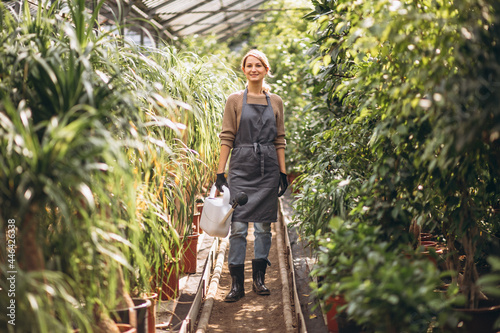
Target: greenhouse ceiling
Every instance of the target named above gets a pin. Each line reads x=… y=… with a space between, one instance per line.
x=174 y=19
x=179 y=18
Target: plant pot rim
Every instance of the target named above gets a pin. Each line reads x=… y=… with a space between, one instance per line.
x=437 y=250
x=493 y=306
x=146 y=304
x=149 y=295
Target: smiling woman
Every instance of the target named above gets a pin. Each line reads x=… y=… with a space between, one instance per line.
x=253 y=129
x=255 y=66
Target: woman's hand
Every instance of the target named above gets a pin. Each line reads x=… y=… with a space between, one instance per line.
x=221 y=181
x=283 y=184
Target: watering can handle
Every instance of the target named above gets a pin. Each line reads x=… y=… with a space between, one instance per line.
x=212 y=191
x=226 y=196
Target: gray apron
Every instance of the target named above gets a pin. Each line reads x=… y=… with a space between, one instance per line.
x=253 y=167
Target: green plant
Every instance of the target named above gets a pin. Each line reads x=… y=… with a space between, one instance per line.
x=490 y=282
x=408 y=116
x=379 y=282
x=103 y=145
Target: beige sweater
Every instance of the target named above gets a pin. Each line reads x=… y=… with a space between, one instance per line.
x=232 y=116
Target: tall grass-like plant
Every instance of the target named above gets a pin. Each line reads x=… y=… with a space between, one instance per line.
x=182 y=100
x=65 y=179
x=104 y=147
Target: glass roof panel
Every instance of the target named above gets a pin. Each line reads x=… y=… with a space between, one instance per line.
x=185 y=17
x=176 y=6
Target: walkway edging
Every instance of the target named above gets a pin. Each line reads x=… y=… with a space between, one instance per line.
x=287 y=306
x=212 y=290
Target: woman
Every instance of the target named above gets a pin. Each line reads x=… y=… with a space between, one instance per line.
x=253 y=129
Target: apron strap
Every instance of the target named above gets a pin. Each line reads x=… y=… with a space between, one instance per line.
x=245 y=97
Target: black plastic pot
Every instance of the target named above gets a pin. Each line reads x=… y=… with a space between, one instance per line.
x=141 y=311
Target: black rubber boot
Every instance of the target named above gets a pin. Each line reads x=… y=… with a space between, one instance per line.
x=259 y=274
x=237 y=287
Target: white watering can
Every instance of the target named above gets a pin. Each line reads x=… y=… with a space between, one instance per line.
x=217 y=212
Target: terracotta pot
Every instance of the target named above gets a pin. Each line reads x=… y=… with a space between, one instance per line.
x=126 y=328
x=291 y=178
x=433 y=253
x=189 y=253
x=196 y=223
x=332 y=314
x=426 y=236
x=199 y=207
x=478 y=320
x=427 y=244
x=170 y=283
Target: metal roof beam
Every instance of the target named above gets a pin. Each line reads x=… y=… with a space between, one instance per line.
x=209 y=14
x=201 y=31
x=130 y=11
x=238 y=11
x=234 y=26
x=160 y=6
x=187 y=11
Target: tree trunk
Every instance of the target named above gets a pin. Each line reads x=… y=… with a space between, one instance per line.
x=30 y=253
x=469 y=283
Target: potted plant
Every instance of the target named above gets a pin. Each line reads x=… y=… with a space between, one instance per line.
x=379 y=287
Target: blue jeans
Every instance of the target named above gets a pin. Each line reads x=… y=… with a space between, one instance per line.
x=238 y=242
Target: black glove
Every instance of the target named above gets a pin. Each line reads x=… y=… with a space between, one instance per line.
x=221 y=181
x=283 y=184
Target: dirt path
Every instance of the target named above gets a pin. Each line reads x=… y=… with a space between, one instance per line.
x=253 y=313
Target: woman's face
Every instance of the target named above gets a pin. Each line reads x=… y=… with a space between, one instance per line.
x=254 y=69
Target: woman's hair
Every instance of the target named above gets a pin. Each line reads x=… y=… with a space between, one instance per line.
x=263 y=59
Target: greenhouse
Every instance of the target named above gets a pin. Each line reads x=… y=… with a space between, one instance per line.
x=361 y=139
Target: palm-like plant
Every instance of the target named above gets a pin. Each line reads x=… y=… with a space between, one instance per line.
x=61 y=172
x=100 y=163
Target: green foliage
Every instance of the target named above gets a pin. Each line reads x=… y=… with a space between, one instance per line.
x=104 y=148
x=408 y=93
x=384 y=290
x=490 y=282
